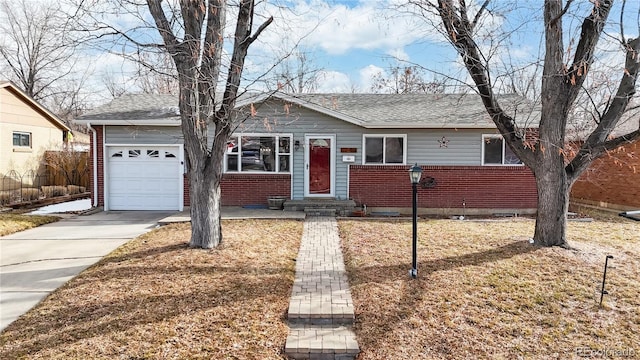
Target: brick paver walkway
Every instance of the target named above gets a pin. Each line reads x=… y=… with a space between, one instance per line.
x=321 y=308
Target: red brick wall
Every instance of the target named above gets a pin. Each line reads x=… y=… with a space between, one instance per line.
x=482 y=187
x=185 y=187
x=613 y=178
x=245 y=189
x=99 y=147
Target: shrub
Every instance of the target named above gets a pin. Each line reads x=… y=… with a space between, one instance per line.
x=55 y=190
x=29 y=194
x=7 y=196
x=75 y=189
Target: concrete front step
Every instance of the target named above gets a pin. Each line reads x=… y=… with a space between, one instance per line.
x=321 y=342
x=341 y=207
x=313 y=211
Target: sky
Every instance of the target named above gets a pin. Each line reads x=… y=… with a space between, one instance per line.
x=349 y=41
x=346 y=42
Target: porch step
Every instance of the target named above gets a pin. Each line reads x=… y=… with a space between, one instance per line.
x=321 y=342
x=319 y=211
x=341 y=207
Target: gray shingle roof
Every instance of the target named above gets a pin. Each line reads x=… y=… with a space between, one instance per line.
x=367 y=110
x=136 y=107
x=423 y=110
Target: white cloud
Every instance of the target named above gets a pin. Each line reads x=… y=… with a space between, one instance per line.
x=334 y=82
x=366 y=76
x=399 y=54
x=337 y=29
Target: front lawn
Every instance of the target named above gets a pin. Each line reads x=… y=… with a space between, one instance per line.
x=12 y=223
x=154 y=298
x=484 y=292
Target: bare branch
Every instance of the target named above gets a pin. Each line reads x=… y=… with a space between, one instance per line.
x=480 y=13
x=564 y=11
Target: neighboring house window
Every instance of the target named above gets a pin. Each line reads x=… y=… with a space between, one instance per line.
x=384 y=149
x=495 y=151
x=22 y=139
x=258 y=153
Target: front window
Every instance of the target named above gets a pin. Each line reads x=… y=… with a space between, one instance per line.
x=22 y=139
x=384 y=149
x=495 y=151
x=258 y=153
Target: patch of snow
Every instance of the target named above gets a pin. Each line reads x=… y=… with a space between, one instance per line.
x=75 y=205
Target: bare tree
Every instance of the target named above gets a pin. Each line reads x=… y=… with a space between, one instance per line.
x=156 y=73
x=565 y=69
x=192 y=33
x=116 y=87
x=35 y=47
x=296 y=74
x=40 y=54
x=405 y=80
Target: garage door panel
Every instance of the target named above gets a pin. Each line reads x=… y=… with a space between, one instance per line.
x=140 y=202
x=144 y=178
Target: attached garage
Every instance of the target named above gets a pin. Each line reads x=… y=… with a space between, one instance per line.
x=141 y=177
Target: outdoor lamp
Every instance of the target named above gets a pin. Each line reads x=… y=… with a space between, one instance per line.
x=414 y=174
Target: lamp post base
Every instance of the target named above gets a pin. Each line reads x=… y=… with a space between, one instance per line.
x=413 y=273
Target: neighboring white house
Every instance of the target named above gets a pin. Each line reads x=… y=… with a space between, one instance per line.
x=27 y=129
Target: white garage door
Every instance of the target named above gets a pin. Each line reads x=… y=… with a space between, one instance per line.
x=144 y=178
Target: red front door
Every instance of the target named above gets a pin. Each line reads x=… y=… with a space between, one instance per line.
x=319 y=166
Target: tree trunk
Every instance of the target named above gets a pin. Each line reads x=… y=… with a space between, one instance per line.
x=553 y=203
x=204 y=194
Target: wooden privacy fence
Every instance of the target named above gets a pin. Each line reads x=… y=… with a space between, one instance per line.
x=63 y=173
x=67 y=167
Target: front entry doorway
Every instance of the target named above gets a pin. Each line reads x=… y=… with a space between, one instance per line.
x=320 y=165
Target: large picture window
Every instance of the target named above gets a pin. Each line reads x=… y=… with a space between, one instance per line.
x=258 y=153
x=22 y=139
x=384 y=149
x=496 y=152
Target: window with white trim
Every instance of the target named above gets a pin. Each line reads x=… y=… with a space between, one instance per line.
x=495 y=151
x=384 y=149
x=22 y=139
x=258 y=153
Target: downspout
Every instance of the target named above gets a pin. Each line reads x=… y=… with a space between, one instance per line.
x=95 y=165
x=630 y=215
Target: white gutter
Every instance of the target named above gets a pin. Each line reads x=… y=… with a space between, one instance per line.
x=95 y=165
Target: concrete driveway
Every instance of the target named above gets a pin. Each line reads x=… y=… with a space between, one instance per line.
x=35 y=262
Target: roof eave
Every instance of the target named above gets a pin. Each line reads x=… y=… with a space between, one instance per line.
x=149 y=122
x=427 y=126
x=35 y=105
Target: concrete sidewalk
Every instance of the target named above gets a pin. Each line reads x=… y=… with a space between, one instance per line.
x=35 y=262
x=237 y=212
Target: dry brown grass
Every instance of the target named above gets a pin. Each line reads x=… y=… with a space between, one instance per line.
x=12 y=223
x=155 y=298
x=484 y=292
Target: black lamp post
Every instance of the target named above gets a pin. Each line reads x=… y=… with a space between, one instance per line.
x=415 y=173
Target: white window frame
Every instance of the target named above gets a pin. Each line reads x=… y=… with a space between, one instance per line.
x=277 y=137
x=23 y=133
x=384 y=144
x=504 y=146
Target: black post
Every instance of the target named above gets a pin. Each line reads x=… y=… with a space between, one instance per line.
x=604 y=277
x=414 y=269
